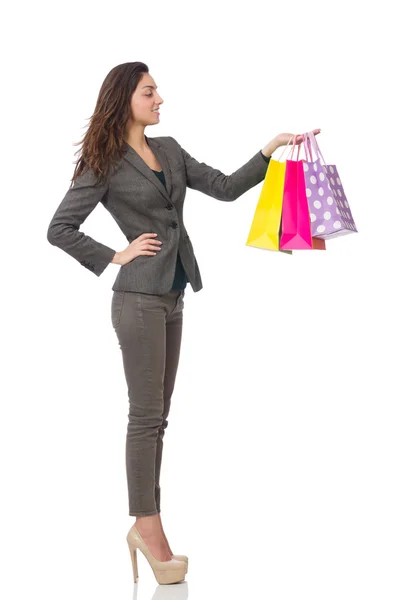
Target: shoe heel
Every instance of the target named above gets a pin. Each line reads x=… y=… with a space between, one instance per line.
x=134 y=560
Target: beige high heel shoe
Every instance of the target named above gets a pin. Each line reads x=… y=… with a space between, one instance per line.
x=165 y=572
x=183 y=558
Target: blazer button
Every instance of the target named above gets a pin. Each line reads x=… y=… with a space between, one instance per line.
x=169 y=207
x=174 y=224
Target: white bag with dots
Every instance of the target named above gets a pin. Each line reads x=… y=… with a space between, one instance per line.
x=330 y=213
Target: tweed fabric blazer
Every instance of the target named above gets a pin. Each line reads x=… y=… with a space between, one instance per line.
x=139 y=203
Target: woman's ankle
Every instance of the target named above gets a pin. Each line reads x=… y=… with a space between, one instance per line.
x=149 y=524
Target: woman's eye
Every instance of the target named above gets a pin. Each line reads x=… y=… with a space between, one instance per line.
x=149 y=94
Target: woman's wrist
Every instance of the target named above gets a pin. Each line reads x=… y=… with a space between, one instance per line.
x=117 y=258
x=270 y=148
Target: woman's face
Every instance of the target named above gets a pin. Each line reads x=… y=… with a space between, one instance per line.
x=145 y=100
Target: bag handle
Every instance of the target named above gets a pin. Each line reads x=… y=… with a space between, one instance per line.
x=307 y=148
x=314 y=144
x=292 y=147
x=285 y=149
x=307 y=138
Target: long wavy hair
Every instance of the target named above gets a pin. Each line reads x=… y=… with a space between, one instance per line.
x=102 y=144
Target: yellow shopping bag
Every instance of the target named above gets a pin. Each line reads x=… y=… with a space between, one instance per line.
x=265 y=228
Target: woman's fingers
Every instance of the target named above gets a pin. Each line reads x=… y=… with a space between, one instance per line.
x=299 y=138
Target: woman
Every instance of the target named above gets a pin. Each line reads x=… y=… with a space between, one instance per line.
x=142 y=183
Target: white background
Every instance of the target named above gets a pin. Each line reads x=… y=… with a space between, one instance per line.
x=279 y=465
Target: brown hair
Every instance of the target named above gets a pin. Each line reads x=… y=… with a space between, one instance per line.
x=104 y=140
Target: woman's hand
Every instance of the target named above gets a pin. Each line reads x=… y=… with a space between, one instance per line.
x=282 y=139
x=141 y=246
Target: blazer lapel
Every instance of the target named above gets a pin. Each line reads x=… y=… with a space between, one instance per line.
x=133 y=157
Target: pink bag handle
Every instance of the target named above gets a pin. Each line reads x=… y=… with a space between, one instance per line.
x=285 y=148
x=293 y=147
x=308 y=140
x=306 y=146
x=312 y=140
x=305 y=143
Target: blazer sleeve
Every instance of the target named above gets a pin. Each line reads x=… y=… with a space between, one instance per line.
x=211 y=181
x=63 y=230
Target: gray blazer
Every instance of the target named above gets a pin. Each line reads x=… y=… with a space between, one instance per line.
x=139 y=203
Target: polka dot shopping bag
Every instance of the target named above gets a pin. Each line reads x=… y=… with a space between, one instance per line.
x=330 y=212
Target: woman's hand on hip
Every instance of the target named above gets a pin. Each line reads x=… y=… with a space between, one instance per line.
x=143 y=245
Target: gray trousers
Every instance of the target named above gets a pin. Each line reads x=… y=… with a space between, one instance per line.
x=149 y=331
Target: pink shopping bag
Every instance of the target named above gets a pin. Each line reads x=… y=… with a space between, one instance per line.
x=295 y=219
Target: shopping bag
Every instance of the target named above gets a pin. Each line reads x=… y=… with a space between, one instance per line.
x=265 y=228
x=330 y=214
x=295 y=217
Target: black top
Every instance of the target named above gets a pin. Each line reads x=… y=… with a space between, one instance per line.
x=180 y=278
